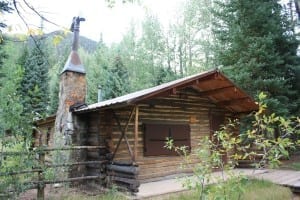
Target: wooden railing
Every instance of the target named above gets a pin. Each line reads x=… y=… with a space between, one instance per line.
x=41 y=181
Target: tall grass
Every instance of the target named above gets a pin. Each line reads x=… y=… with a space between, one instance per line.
x=254 y=190
x=293 y=166
x=259 y=189
x=79 y=196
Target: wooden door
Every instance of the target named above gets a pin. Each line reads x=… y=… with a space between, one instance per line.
x=216 y=122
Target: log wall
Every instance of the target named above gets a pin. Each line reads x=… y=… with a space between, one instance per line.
x=43 y=135
x=79 y=139
x=183 y=107
x=100 y=128
x=96 y=136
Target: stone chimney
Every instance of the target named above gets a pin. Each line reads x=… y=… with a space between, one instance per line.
x=72 y=93
x=72 y=88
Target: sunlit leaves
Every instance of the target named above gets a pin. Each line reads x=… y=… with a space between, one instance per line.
x=34 y=32
x=57 y=39
x=111 y=3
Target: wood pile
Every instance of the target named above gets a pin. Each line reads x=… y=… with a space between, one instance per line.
x=123 y=175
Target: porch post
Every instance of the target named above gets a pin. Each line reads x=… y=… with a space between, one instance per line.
x=136 y=132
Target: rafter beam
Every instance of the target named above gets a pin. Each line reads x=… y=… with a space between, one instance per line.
x=232 y=101
x=218 y=90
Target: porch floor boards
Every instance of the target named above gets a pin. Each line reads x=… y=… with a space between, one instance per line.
x=288 y=178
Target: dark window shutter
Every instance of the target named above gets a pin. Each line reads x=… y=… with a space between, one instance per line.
x=155 y=138
x=181 y=135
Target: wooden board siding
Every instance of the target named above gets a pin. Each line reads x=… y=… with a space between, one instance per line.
x=123 y=152
x=157 y=166
x=185 y=107
x=44 y=132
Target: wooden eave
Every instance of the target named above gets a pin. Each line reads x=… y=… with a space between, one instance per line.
x=46 y=120
x=211 y=84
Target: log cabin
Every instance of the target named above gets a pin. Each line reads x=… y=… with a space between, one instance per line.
x=132 y=129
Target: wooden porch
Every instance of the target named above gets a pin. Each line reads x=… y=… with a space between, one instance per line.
x=287 y=178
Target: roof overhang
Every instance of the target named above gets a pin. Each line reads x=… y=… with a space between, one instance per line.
x=47 y=120
x=211 y=84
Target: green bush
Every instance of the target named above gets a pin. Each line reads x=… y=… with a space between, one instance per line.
x=269 y=138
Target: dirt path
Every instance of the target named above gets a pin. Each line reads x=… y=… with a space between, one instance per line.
x=63 y=192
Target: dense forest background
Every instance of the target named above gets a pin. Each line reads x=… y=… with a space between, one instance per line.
x=254 y=42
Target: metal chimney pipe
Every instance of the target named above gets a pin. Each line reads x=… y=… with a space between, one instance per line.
x=75 y=29
x=73 y=63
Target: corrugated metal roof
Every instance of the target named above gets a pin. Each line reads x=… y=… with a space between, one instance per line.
x=212 y=84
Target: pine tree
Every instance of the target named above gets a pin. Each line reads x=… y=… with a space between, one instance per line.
x=165 y=75
x=5 y=7
x=10 y=107
x=117 y=83
x=34 y=85
x=97 y=70
x=257 y=47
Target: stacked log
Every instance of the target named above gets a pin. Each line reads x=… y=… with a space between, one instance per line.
x=94 y=139
x=97 y=169
x=123 y=175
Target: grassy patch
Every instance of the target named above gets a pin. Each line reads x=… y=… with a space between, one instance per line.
x=97 y=197
x=78 y=196
x=293 y=166
x=254 y=190
x=91 y=192
x=258 y=189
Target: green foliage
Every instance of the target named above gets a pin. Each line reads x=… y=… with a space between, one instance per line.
x=15 y=127
x=110 y=195
x=5 y=7
x=165 y=75
x=96 y=66
x=260 y=189
x=257 y=46
x=34 y=85
x=14 y=163
x=254 y=190
x=293 y=166
x=117 y=83
x=274 y=135
x=10 y=108
x=226 y=147
x=112 y=3
x=194 y=37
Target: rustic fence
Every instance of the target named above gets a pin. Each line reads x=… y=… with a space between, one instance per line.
x=42 y=166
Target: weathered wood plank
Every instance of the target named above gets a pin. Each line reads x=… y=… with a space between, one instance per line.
x=183 y=107
x=123 y=169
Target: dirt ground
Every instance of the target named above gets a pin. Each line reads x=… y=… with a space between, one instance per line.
x=93 y=190
x=61 y=192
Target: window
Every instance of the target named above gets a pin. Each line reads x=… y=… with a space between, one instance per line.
x=155 y=138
